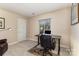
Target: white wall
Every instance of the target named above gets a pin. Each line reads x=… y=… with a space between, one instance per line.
x=10 y=22
x=75 y=39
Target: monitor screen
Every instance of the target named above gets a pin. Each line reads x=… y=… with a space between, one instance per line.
x=47 y=32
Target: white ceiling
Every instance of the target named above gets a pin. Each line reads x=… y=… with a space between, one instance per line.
x=32 y=9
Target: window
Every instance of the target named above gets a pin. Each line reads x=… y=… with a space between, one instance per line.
x=44 y=24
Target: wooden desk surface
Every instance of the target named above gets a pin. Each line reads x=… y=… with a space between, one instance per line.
x=53 y=36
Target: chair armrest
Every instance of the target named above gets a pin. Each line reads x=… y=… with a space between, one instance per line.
x=3 y=41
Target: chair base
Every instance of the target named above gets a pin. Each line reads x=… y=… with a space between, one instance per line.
x=47 y=52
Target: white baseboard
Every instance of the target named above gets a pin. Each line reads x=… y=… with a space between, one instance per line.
x=33 y=39
x=65 y=46
x=12 y=43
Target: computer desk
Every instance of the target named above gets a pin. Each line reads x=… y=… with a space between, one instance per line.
x=57 y=37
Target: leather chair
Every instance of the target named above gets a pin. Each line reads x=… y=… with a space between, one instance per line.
x=47 y=43
x=3 y=46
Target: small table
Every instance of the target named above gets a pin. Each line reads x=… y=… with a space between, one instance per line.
x=57 y=37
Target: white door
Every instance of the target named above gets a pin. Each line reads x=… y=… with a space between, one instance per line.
x=21 y=29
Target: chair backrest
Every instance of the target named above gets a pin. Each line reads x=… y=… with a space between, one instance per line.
x=46 y=41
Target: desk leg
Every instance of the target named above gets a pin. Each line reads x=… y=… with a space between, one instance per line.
x=38 y=40
x=59 y=47
x=37 y=43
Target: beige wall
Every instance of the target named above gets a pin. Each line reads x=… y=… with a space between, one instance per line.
x=60 y=24
x=10 y=22
x=75 y=39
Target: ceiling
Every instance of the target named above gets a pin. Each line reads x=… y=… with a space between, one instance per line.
x=32 y=9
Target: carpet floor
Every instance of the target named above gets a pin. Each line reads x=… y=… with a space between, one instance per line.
x=22 y=49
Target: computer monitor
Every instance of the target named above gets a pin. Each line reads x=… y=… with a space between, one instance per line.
x=47 y=31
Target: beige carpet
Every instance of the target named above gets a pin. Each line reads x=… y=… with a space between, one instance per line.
x=21 y=49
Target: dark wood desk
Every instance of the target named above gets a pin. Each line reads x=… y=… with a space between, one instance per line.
x=57 y=37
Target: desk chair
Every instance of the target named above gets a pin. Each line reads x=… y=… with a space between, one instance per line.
x=47 y=43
